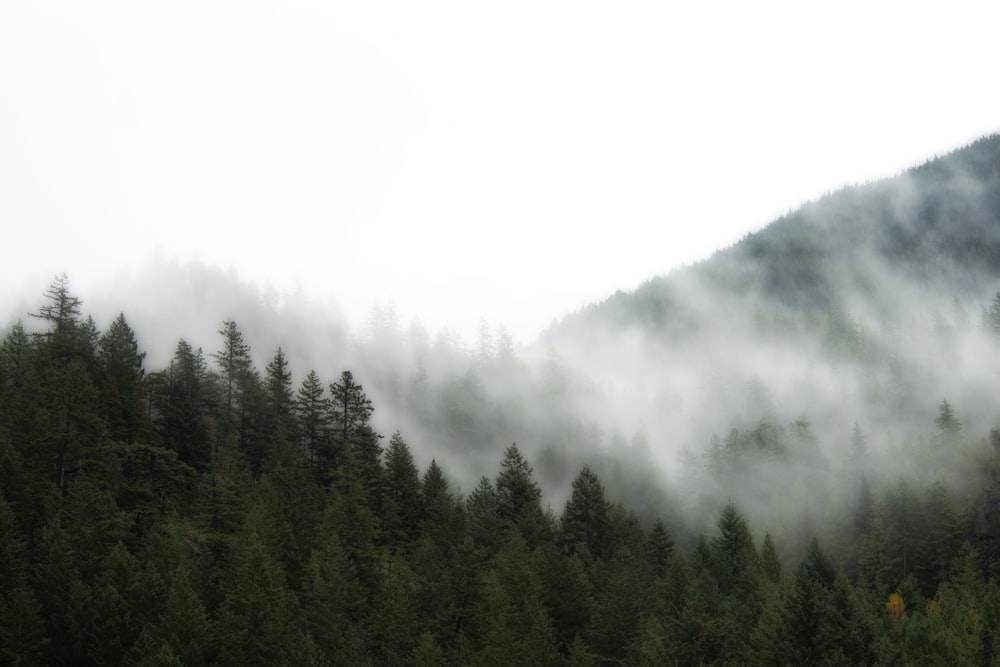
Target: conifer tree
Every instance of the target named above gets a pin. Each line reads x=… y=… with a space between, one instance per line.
x=770 y=564
x=313 y=426
x=353 y=435
x=22 y=635
x=735 y=545
x=401 y=506
x=518 y=495
x=585 y=519
x=661 y=547
x=234 y=362
x=279 y=398
x=258 y=619
x=484 y=519
x=121 y=386
x=244 y=397
x=184 y=625
x=184 y=405
x=947 y=423
x=66 y=337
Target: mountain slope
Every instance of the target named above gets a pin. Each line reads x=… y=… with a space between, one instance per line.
x=934 y=228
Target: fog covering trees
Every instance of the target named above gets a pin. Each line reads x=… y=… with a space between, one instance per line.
x=787 y=453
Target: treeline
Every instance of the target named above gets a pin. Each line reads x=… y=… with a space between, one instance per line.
x=208 y=513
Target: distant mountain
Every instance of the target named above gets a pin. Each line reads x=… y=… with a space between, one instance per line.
x=931 y=231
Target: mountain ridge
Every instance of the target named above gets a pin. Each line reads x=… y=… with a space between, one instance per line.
x=938 y=222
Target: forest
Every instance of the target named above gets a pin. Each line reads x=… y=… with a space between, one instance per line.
x=209 y=512
x=786 y=454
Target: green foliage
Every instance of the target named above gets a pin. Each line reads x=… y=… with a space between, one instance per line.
x=314 y=423
x=519 y=500
x=183 y=517
x=770 y=564
x=279 y=399
x=258 y=619
x=585 y=519
x=184 y=400
x=355 y=441
x=401 y=494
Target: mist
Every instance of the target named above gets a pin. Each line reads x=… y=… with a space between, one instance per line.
x=746 y=377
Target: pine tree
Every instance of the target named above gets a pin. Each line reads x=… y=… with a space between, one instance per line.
x=735 y=546
x=257 y=621
x=66 y=335
x=401 y=506
x=661 y=548
x=234 y=362
x=61 y=594
x=334 y=603
x=244 y=399
x=313 y=426
x=820 y=616
x=770 y=564
x=485 y=524
x=183 y=406
x=438 y=504
x=279 y=398
x=22 y=634
x=353 y=435
x=184 y=625
x=947 y=423
x=585 y=519
x=518 y=495
x=114 y=616
x=121 y=386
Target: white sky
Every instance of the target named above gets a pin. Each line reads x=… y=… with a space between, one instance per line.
x=507 y=160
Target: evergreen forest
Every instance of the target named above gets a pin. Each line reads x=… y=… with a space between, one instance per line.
x=787 y=454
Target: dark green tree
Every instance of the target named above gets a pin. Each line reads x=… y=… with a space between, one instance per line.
x=234 y=361
x=313 y=421
x=22 y=634
x=353 y=435
x=61 y=594
x=335 y=603
x=485 y=524
x=401 y=504
x=121 y=385
x=439 y=506
x=519 y=500
x=661 y=548
x=115 y=614
x=184 y=405
x=734 y=544
x=258 y=620
x=70 y=407
x=66 y=337
x=184 y=625
x=244 y=396
x=770 y=564
x=585 y=519
x=279 y=399
x=821 y=621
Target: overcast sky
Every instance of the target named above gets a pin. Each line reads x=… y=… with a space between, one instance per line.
x=462 y=160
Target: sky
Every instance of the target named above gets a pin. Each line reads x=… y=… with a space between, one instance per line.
x=458 y=161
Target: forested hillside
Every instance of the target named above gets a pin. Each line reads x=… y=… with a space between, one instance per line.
x=786 y=454
x=212 y=512
x=874 y=248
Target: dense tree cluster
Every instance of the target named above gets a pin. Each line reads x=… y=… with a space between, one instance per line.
x=207 y=513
